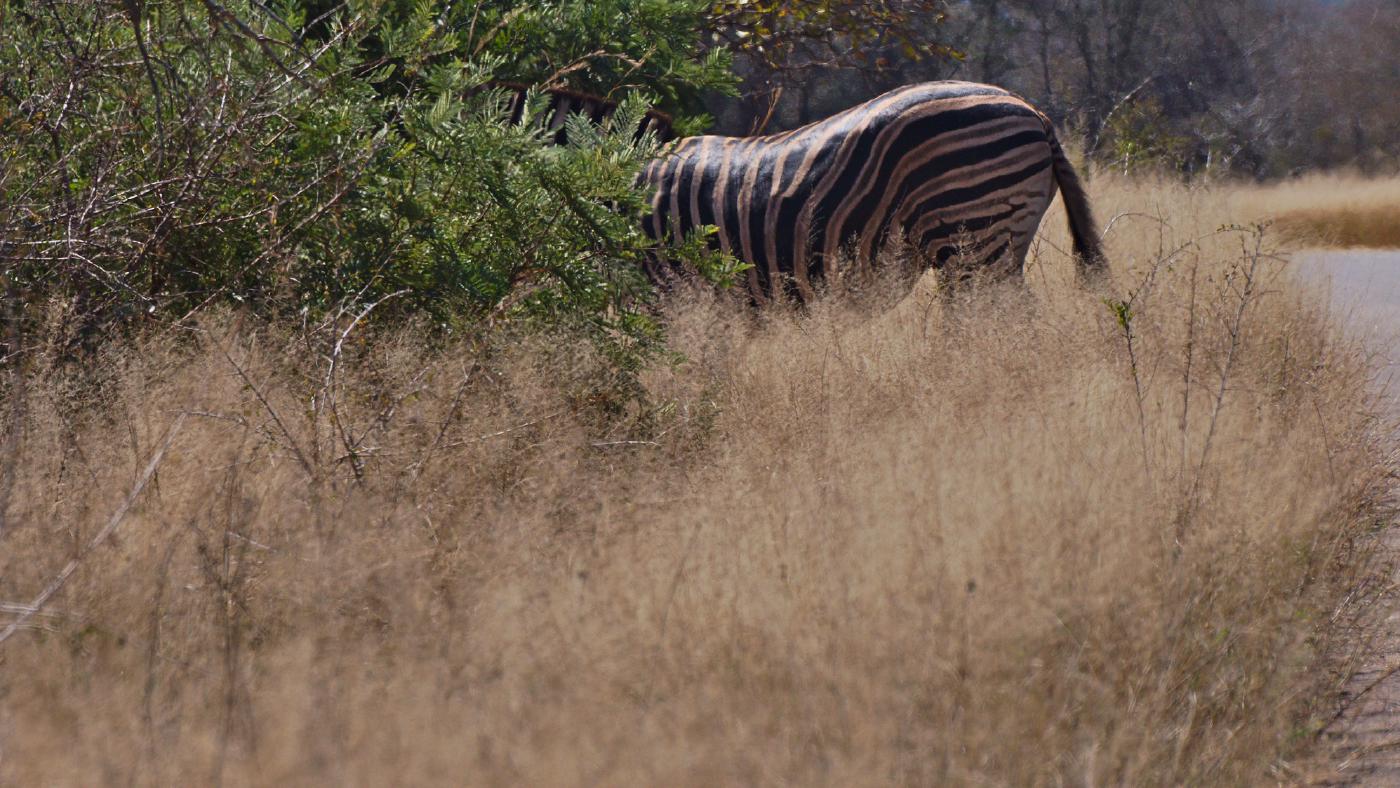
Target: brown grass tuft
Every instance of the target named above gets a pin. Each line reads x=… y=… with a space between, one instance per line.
x=1330 y=210
x=1014 y=538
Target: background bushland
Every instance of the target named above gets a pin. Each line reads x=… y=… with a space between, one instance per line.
x=1259 y=88
x=317 y=159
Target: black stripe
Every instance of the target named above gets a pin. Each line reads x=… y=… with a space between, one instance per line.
x=974 y=255
x=762 y=164
x=648 y=177
x=680 y=184
x=730 y=209
x=972 y=225
x=709 y=179
x=787 y=214
x=973 y=193
x=941 y=165
x=665 y=181
x=864 y=145
x=923 y=132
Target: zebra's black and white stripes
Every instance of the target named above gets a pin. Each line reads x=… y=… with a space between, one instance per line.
x=961 y=171
x=958 y=169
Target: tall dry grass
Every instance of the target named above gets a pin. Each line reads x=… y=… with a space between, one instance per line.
x=1019 y=537
x=1329 y=209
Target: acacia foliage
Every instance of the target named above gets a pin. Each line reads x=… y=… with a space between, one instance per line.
x=793 y=48
x=159 y=157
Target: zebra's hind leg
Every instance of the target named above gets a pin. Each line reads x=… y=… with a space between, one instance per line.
x=967 y=263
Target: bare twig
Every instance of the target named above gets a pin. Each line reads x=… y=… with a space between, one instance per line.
x=1127 y=99
x=329 y=388
x=1190 y=352
x=1353 y=700
x=12 y=607
x=768 y=116
x=1233 y=330
x=218 y=12
x=340 y=342
x=447 y=422
x=115 y=520
x=610 y=444
x=271 y=411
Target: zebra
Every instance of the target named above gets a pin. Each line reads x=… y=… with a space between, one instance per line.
x=963 y=171
x=959 y=169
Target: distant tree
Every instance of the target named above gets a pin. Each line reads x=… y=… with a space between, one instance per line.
x=1340 y=78
x=1169 y=82
x=781 y=46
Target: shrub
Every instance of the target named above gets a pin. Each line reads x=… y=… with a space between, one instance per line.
x=170 y=156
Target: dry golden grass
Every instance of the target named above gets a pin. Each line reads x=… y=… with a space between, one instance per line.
x=1329 y=210
x=1005 y=540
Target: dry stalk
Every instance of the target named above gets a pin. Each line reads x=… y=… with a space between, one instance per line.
x=446 y=423
x=112 y=522
x=271 y=411
x=329 y=395
x=1189 y=352
x=1234 y=330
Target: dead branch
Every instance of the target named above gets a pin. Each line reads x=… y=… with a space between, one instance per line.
x=115 y=520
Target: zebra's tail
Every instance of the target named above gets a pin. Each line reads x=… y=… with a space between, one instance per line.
x=1082 y=227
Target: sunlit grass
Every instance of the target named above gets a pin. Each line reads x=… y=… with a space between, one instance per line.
x=1330 y=210
x=1007 y=538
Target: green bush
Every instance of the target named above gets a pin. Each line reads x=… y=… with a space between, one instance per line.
x=158 y=158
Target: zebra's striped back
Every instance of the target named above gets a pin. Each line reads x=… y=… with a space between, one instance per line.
x=957 y=168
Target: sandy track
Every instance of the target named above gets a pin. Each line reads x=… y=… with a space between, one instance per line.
x=1364 y=740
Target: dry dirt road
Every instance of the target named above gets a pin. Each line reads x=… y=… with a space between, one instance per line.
x=1365 y=291
x=1364 y=741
